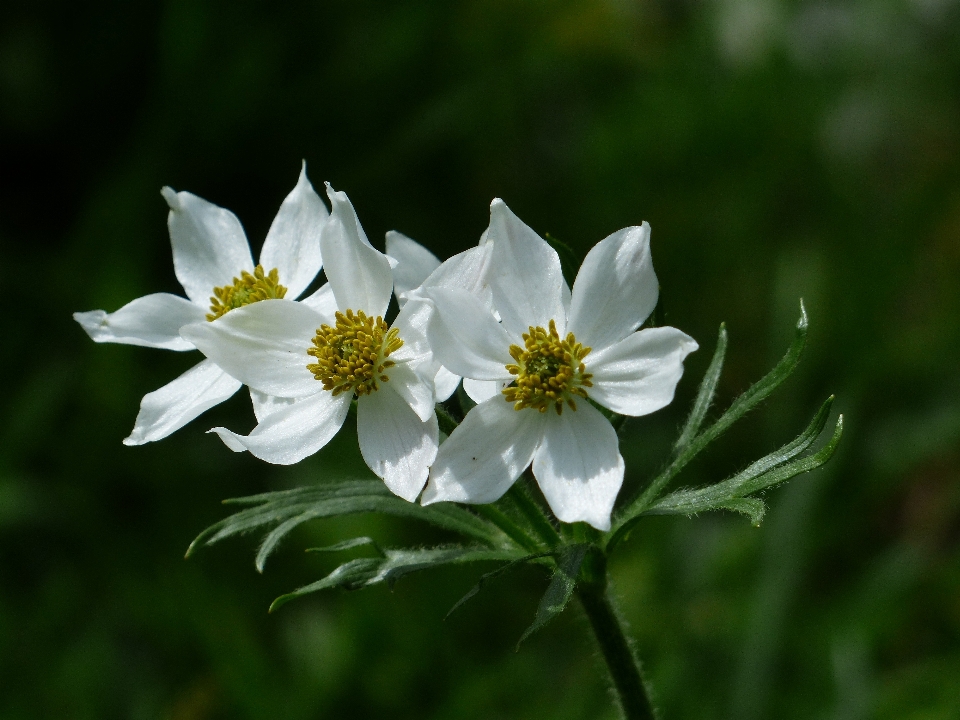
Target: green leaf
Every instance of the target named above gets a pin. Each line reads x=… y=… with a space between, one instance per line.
x=708 y=388
x=772 y=470
x=753 y=508
x=466 y=402
x=364 y=572
x=288 y=509
x=487 y=577
x=349 y=545
x=560 y=589
x=448 y=423
x=740 y=407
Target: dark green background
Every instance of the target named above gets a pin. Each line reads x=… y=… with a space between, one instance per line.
x=778 y=149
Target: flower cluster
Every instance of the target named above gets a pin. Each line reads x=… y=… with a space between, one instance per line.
x=546 y=366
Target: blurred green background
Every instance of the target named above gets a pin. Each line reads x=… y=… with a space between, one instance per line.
x=779 y=149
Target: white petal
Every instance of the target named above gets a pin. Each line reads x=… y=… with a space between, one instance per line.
x=578 y=466
x=264 y=405
x=411 y=325
x=151 y=321
x=358 y=273
x=293 y=241
x=466 y=338
x=465 y=271
x=485 y=455
x=324 y=303
x=445 y=384
x=414 y=263
x=264 y=345
x=639 y=374
x=175 y=404
x=482 y=390
x=209 y=247
x=525 y=273
x=396 y=444
x=468 y=271
x=413 y=387
x=616 y=289
x=292 y=433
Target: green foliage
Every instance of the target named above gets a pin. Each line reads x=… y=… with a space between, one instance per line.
x=291 y=508
x=350 y=545
x=560 y=590
x=688 y=449
x=364 y=572
x=708 y=388
x=448 y=423
x=768 y=472
x=487 y=577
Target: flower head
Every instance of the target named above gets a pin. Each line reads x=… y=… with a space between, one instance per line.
x=553 y=354
x=323 y=354
x=212 y=261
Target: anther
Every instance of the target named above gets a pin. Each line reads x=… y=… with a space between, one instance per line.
x=245 y=290
x=549 y=371
x=352 y=355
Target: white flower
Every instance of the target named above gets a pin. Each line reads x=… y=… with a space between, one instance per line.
x=417 y=269
x=325 y=354
x=212 y=261
x=557 y=352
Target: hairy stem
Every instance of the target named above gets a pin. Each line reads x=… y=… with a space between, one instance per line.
x=508 y=526
x=534 y=514
x=622 y=662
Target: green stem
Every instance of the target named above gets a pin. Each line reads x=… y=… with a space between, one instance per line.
x=534 y=515
x=622 y=662
x=509 y=527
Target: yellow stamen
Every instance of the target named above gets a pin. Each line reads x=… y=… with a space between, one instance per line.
x=352 y=357
x=549 y=370
x=245 y=290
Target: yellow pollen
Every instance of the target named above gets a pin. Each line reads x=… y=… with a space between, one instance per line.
x=549 y=370
x=246 y=289
x=352 y=357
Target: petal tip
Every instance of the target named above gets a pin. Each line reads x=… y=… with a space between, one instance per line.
x=171 y=196
x=229 y=438
x=91 y=318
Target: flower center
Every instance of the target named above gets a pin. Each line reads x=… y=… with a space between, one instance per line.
x=246 y=289
x=549 y=370
x=352 y=357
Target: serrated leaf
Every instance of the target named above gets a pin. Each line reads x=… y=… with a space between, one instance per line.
x=560 y=589
x=364 y=572
x=290 y=508
x=708 y=388
x=758 y=392
x=762 y=475
x=487 y=577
